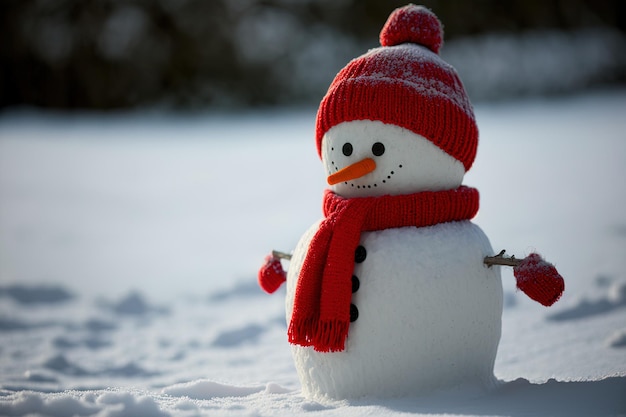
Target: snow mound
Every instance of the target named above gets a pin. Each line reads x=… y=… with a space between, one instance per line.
x=614 y=299
x=104 y=404
x=205 y=390
x=204 y=397
x=247 y=334
x=124 y=404
x=134 y=304
x=617 y=339
x=43 y=294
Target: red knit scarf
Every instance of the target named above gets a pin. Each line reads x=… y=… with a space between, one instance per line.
x=321 y=311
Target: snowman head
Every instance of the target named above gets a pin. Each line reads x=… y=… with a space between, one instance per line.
x=369 y=158
x=397 y=119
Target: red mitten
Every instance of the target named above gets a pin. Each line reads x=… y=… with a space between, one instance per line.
x=271 y=275
x=539 y=280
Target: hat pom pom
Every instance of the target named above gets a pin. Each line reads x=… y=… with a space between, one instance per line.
x=271 y=275
x=539 y=279
x=414 y=24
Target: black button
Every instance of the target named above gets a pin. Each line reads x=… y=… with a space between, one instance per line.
x=354 y=313
x=360 y=254
x=355 y=283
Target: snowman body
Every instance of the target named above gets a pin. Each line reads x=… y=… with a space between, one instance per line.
x=429 y=315
x=427 y=310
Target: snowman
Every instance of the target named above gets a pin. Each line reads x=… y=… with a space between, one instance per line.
x=389 y=293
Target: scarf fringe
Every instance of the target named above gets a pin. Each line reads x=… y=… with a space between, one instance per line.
x=323 y=335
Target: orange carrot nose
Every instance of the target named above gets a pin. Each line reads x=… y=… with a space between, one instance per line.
x=356 y=170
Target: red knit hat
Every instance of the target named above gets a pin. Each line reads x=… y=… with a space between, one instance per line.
x=405 y=83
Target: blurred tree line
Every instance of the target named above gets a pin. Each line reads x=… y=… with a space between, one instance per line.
x=107 y=54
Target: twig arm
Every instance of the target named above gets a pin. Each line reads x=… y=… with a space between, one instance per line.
x=500 y=259
x=281 y=255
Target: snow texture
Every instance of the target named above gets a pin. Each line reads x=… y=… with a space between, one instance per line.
x=170 y=217
x=412 y=65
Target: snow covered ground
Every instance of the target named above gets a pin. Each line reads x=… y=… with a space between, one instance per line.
x=129 y=246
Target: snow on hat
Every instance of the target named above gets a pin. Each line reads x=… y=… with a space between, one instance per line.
x=405 y=83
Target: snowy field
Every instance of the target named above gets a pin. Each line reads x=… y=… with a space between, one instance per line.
x=129 y=246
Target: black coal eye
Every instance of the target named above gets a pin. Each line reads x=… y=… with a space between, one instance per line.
x=347 y=149
x=378 y=149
